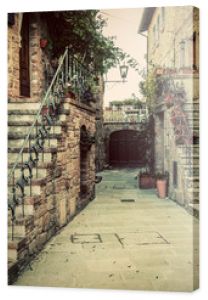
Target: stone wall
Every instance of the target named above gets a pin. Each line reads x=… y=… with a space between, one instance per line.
x=178 y=25
x=68 y=158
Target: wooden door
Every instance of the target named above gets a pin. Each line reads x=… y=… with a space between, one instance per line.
x=24 y=58
x=127 y=148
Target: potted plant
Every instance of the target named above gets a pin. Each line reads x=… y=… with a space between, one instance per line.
x=43 y=43
x=146 y=180
x=161 y=185
x=68 y=91
x=169 y=100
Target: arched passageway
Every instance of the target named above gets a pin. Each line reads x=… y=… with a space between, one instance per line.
x=127 y=148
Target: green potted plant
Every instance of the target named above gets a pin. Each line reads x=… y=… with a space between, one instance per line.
x=68 y=90
x=162 y=185
x=146 y=180
x=43 y=42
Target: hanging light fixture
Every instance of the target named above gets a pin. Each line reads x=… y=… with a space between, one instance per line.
x=123 y=71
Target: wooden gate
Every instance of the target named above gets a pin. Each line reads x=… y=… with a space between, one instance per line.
x=128 y=148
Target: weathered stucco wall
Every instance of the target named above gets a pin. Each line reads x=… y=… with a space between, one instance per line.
x=173 y=42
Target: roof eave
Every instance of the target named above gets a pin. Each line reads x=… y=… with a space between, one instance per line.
x=146 y=19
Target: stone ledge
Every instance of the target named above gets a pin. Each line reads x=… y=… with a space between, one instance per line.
x=80 y=105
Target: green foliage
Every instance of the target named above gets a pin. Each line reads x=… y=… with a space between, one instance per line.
x=136 y=103
x=148 y=88
x=82 y=32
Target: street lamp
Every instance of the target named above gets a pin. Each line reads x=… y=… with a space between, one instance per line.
x=123 y=73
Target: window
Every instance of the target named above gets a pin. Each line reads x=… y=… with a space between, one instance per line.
x=175 y=174
x=195 y=60
x=182 y=53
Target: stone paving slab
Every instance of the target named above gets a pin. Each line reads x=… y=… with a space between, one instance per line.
x=148 y=244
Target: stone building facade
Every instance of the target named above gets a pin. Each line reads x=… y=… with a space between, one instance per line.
x=63 y=181
x=25 y=57
x=173 y=53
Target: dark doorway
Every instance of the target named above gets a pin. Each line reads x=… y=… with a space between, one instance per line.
x=127 y=148
x=84 y=164
x=24 y=58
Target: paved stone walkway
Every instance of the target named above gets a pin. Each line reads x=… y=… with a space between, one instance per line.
x=119 y=244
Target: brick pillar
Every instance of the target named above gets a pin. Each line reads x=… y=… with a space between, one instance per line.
x=35 y=58
x=13 y=58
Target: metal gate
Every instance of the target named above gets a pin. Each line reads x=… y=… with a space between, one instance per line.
x=128 y=148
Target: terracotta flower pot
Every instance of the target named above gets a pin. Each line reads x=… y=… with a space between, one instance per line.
x=70 y=94
x=43 y=43
x=146 y=181
x=161 y=185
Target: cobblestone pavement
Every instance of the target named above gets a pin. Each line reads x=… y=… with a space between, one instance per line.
x=126 y=238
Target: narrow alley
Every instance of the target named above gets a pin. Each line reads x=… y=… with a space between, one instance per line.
x=127 y=238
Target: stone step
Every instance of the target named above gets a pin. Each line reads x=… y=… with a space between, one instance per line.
x=19 y=231
x=194 y=170
x=22 y=131
x=23 y=106
x=194 y=148
x=193 y=122
x=193 y=193
x=192 y=156
x=44 y=157
x=193 y=209
x=192 y=114
x=33 y=189
x=40 y=172
x=37 y=172
x=30 y=108
x=30 y=203
x=193 y=182
x=15 y=247
x=191 y=106
x=28 y=119
x=45 y=149
x=186 y=163
x=17 y=143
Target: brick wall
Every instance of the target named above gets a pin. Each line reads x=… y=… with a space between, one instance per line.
x=13 y=58
x=38 y=58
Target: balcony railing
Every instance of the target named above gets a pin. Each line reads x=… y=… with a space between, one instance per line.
x=129 y=116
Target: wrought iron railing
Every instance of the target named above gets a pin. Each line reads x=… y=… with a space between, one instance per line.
x=130 y=116
x=70 y=75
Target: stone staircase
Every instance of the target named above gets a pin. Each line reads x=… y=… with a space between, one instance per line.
x=34 y=224
x=190 y=159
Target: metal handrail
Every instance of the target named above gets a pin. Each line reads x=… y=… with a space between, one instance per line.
x=69 y=70
x=39 y=111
